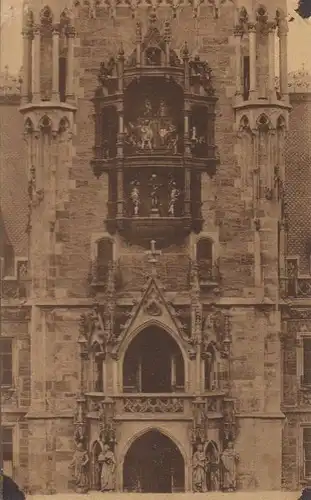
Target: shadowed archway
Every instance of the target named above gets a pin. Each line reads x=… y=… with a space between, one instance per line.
x=153 y=464
x=153 y=363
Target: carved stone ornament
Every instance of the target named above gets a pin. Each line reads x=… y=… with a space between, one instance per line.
x=80 y=466
x=306 y=398
x=8 y=396
x=152 y=308
x=107 y=422
x=16 y=315
x=153 y=405
x=80 y=422
x=229 y=427
x=216 y=330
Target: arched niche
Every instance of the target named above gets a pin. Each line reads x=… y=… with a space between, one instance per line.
x=153 y=363
x=104 y=258
x=213 y=474
x=150 y=191
x=153 y=464
x=153 y=113
x=204 y=257
x=211 y=368
x=96 y=450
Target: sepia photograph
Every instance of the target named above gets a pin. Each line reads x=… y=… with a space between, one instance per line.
x=155 y=249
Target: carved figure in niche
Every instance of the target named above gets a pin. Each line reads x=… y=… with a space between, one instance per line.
x=163 y=109
x=135 y=196
x=229 y=459
x=147 y=109
x=146 y=135
x=107 y=478
x=105 y=71
x=79 y=465
x=199 y=469
x=213 y=481
x=174 y=197
x=153 y=56
x=155 y=200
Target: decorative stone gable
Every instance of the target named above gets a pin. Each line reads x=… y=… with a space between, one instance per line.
x=153 y=308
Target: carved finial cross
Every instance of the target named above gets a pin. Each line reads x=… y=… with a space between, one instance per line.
x=153 y=253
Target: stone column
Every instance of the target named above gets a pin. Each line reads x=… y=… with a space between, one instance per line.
x=252 y=61
x=271 y=56
x=187 y=191
x=36 y=87
x=26 y=66
x=283 y=62
x=120 y=192
x=186 y=129
x=70 y=64
x=120 y=130
x=55 y=63
x=238 y=62
x=138 y=44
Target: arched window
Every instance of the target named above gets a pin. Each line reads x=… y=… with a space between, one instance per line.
x=104 y=258
x=153 y=363
x=205 y=259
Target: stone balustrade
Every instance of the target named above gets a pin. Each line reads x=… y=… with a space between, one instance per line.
x=296 y=287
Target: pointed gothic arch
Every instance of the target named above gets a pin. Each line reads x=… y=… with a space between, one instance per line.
x=95 y=471
x=151 y=322
x=28 y=126
x=132 y=461
x=263 y=122
x=213 y=476
x=46 y=15
x=153 y=362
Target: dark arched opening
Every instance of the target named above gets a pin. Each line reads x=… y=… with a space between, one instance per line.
x=153 y=464
x=153 y=363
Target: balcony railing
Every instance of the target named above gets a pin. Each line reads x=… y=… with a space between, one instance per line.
x=295 y=287
x=131 y=405
x=13 y=288
x=152 y=404
x=208 y=273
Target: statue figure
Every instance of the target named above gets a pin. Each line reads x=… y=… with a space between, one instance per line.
x=80 y=465
x=147 y=108
x=173 y=139
x=107 y=459
x=229 y=459
x=155 y=202
x=135 y=196
x=199 y=469
x=146 y=135
x=163 y=111
x=174 y=197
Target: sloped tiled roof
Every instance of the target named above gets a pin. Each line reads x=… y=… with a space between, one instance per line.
x=13 y=176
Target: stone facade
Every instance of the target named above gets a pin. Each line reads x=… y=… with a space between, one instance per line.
x=161 y=295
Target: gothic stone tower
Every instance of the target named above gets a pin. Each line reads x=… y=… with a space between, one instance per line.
x=155 y=136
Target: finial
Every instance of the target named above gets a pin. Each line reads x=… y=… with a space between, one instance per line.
x=153 y=16
x=121 y=51
x=153 y=253
x=185 y=51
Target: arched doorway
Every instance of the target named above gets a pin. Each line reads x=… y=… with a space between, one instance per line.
x=153 y=464
x=153 y=363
